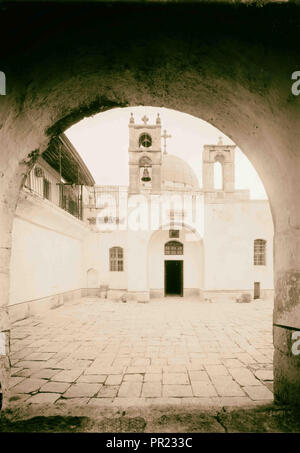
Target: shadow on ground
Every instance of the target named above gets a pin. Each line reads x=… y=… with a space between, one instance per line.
x=263 y=419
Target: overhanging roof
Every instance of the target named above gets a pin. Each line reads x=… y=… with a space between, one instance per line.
x=63 y=157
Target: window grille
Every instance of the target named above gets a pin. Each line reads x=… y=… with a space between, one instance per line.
x=116 y=259
x=260 y=252
x=173 y=248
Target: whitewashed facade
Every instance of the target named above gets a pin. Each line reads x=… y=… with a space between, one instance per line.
x=163 y=235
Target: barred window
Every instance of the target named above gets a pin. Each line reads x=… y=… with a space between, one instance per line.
x=116 y=259
x=173 y=248
x=260 y=252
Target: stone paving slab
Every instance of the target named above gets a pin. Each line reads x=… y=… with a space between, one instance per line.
x=258 y=392
x=203 y=389
x=176 y=378
x=44 y=398
x=216 y=370
x=110 y=391
x=226 y=386
x=82 y=389
x=130 y=389
x=198 y=376
x=28 y=386
x=45 y=373
x=152 y=377
x=67 y=375
x=114 y=379
x=171 y=350
x=152 y=390
x=91 y=378
x=15 y=380
x=265 y=375
x=177 y=390
x=243 y=376
x=55 y=387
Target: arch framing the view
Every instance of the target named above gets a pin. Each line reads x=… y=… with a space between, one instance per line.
x=200 y=76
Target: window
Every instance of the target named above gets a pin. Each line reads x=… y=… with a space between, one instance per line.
x=260 y=252
x=173 y=234
x=218 y=176
x=173 y=248
x=145 y=140
x=46 y=189
x=116 y=259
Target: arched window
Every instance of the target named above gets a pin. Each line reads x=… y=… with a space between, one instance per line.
x=145 y=140
x=260 y=252
x=116 y=259
x=218 y=175
x=173 y=248
x=218 y=171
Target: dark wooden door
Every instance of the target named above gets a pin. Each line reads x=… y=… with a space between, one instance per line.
x=256 y=290
x=173 y=278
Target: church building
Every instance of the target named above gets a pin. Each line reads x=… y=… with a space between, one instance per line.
x=161 y=236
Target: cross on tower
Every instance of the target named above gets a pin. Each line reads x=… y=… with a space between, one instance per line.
x=165 y=136
x=145 y=119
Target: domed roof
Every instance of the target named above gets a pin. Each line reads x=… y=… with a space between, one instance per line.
x=176 y=170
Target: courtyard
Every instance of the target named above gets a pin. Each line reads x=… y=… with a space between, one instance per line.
x=173 y=351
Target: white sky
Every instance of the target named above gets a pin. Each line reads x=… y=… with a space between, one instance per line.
x=102 y=141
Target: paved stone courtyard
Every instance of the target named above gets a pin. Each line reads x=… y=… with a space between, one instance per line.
x=169 y=351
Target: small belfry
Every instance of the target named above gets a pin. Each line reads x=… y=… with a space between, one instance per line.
x=224 y=154
x=144 y=156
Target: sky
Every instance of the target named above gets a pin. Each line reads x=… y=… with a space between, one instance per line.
x=102 y=141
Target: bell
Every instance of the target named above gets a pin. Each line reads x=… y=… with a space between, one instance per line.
x=146 y=176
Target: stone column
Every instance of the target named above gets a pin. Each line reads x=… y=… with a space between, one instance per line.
x=137 y=266
x=6 y=222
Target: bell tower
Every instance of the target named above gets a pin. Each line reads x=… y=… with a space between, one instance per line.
x=224 y=154
x=144 y=156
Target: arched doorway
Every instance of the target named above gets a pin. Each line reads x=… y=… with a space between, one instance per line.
x=92 y=278
x=176 y=267
x=173 y=269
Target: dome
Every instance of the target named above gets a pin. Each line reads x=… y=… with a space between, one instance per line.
x=176 y=170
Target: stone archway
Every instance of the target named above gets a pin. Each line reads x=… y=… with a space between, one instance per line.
x=102 y=57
